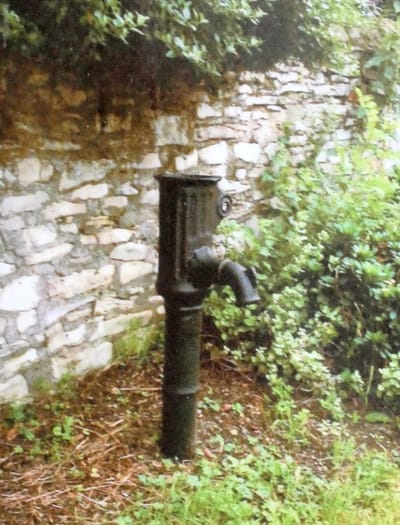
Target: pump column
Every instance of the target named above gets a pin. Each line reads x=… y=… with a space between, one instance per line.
x=181 y=380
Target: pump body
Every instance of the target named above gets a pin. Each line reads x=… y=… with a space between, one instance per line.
x=191 y=206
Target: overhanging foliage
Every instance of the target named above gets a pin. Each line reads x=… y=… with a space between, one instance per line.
x=208 y=35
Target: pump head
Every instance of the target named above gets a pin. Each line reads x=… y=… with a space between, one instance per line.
x=191 y=207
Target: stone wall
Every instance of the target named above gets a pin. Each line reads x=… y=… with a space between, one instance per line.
x=78 y=202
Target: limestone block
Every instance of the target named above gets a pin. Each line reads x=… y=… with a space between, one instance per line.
x=116 y=202
x=126 y=189
x=7 y=177
x=82 y=360
x=296 y=112
x=232 y=187
x=206 y=111
x=151 y=161
x=95 y=224
x=218 y=132
x=343 y=134
x=220 y=170
x=293 y=87
x=114 y=236
x=21 y=294
x=271 y=150
x=107 y=305
x=284 y=77
x=246 y=151
x=134 y=270
x=78 y=315
x=31 y=170
x=298 y=140
x=325 y=90
x=59 y=339
x=266 y=133
x=14 y=365
x=28 y=170
x=69 y=228
x=15 y=389
x=81 y=282
x=119 y=324
x=50 y=254
x=232 y=111
x=342 y=90
x=63 y=209
x=46 y=172
x=90 y=191
x=39 y=235
x=261 y=100
x=245 y=116
x=256 y=172
x=144 y=180
x=55 y=312
x=87 y=240
x=241 y=174
x=95 y=358
x=82 y=172
x=6 y=269
x=22 y=203
x=156 y=299
x=245 y=89
x=160 y=310
x=170 y=129
x=130 y=251
x=215 y=154
x=150 y=197
x=57 y=145
x=25 y=320
x=258 y=196
x=12 y=224
x=186 y=162
x=320 y=78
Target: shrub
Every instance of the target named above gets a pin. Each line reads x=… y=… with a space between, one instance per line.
x=208 y=35
x=327 y=253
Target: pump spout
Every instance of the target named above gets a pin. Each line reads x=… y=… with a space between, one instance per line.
x=242 y=281
x=206 y=269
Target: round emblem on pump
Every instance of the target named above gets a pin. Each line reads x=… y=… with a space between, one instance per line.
x=224 y=205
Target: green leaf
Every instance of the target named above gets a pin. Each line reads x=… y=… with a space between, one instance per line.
x=378 y=417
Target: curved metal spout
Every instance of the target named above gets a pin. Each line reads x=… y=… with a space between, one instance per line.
x=242 y=281
x=207 y=269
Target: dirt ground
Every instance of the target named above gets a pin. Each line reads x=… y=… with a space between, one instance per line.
x=71 y=458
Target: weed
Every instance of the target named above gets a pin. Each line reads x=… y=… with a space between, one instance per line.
x=261 y=487
x=137 y=342
x=209 y=404
x=291 y=423
x=63 y=431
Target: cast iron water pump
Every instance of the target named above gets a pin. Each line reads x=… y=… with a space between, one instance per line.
x=191 y=206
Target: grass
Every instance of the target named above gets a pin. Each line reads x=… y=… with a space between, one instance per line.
x=264 y=487
x=262 y=458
